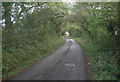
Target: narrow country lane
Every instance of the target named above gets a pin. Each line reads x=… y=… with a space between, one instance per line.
x=66 y=63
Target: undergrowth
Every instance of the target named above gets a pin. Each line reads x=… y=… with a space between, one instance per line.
x=103 y=63
x=17 y=59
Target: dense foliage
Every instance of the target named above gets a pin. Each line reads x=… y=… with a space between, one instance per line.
x=99 y=32
x=99 y=21
x=34 y=32
x=35 y=29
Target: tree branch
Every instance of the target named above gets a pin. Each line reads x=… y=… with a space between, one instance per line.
x=35 y=6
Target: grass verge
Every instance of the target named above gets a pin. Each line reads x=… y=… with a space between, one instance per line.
x=103 y=64
x=22 y=58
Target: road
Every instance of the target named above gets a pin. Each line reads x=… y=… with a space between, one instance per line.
x=66 y=63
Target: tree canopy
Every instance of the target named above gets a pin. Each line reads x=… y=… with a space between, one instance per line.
x=38 y=23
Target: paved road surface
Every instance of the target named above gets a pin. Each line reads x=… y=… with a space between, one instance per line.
x=66 y=63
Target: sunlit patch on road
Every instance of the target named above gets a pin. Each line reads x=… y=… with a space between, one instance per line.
x=70 y=40
x=70 y=64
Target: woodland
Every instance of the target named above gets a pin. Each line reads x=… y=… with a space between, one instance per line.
x=33 y=30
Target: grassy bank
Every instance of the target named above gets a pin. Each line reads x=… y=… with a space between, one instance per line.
x=21 y=58
x=103 y=63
